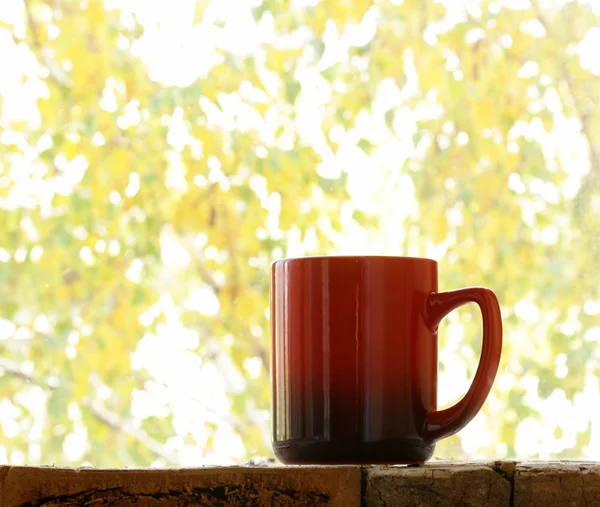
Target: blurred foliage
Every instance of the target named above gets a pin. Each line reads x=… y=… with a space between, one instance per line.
x=470 y=134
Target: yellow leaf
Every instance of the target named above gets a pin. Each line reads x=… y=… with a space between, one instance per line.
x=318 y=20
x=440 y=229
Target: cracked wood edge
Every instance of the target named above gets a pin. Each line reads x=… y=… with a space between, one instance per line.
x=440 y=484
x=298 y=486
x=490 y=483
x=557 y=484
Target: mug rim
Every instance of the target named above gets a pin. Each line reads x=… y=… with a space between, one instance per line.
x=309 y=258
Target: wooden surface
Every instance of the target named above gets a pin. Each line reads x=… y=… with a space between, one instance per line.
x=438 y=483
x=237 y=486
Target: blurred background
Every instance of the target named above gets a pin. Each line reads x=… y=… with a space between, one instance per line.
x=155 y=157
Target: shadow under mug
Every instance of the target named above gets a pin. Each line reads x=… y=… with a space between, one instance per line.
x=354 y=366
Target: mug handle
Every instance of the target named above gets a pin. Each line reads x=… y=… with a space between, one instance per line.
x=443 y=423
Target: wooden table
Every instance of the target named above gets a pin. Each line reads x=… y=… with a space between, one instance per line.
x=438 y=483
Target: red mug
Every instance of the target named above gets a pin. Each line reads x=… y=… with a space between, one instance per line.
x=354 y=373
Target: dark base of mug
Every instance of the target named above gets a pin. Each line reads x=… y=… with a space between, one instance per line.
x=408 y=451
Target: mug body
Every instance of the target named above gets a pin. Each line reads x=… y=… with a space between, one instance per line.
x=354 y=365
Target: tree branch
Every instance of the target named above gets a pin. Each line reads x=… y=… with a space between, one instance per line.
x=8 y=367
x=103 y=415
x=113 y=421
x=582 y=114
x=56 y=73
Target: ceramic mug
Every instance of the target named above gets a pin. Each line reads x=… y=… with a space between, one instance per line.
x=354 y=365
